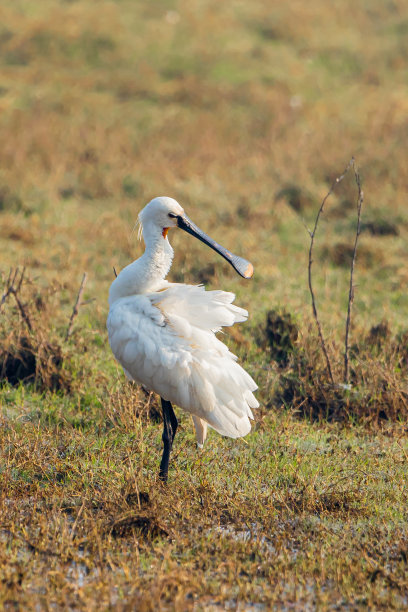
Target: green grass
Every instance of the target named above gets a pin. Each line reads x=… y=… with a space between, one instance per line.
x=307 y=513
x=245 y=113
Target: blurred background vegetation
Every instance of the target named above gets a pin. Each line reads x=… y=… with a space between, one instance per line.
x=244 y=112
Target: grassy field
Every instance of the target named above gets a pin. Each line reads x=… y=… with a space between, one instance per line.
x=245 y=113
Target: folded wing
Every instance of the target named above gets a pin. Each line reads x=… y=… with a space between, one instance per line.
x=166 y=341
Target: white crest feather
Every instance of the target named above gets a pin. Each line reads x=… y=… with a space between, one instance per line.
x=139 y=226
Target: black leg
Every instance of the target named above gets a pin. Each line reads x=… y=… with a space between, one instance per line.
x=169 y=432
x=173 y=421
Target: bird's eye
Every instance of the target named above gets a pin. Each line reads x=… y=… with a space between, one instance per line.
x=172 y=216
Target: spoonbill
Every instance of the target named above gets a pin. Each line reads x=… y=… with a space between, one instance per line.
x=163 y=334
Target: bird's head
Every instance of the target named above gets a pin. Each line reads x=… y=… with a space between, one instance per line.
x=163 y=213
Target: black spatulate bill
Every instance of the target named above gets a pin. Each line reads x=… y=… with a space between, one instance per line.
x=241 y=265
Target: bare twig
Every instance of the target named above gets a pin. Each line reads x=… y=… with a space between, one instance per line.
x=312 y=237
x=360 y=198
x=115 y=273
x=13 y=286
x=77 y=306
x=8 y=285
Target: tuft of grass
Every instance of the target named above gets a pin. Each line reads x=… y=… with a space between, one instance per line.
x=34 y=348
x=279 y=335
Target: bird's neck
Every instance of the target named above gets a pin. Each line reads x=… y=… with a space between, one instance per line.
x=157 y=259
x=147 y=273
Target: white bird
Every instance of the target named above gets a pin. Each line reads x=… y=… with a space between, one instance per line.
x=163 y=334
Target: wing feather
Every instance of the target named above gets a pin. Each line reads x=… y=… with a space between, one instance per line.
x=166 y=341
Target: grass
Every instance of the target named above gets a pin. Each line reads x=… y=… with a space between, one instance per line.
x=245 y=113
x=312 y=514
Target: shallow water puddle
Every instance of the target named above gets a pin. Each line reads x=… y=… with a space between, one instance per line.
x=254 y=533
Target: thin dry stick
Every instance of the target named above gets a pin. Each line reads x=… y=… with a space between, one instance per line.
x=77 y=306
x=8 y=284
x=13 y=289
x=21 y=308
x=312 y=237
x=360 y=199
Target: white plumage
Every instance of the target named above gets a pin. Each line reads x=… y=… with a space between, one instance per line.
x=163 y=334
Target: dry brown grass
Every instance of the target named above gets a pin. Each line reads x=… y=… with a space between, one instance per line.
x=85 y=524
x=377 y=391
x=33 y=350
